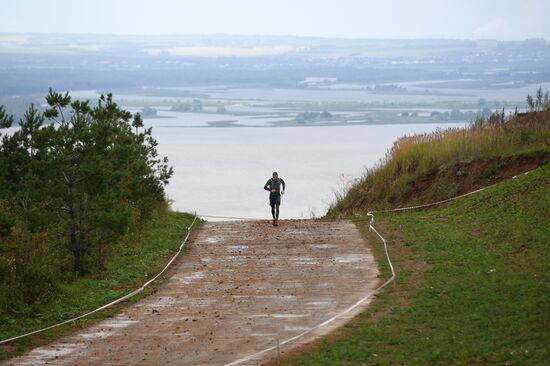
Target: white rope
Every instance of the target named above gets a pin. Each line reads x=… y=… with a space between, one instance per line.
x=232 y=217
x=391 y=279
x=370 y=213
x=123 y=298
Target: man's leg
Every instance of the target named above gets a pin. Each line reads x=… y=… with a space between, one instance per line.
x=277 y=204
x=275 y=201
x=272 y=204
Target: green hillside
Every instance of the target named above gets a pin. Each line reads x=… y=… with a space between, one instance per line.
x=473 y=280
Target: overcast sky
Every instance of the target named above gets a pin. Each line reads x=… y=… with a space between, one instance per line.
x=466 y=19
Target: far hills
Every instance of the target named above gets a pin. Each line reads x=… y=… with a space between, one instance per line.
x=30 y=63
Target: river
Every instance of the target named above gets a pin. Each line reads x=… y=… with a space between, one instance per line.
x=221 y=171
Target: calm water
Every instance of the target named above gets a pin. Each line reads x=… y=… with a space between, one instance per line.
x=221 y=171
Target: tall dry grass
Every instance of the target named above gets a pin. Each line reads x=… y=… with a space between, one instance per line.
x=417 y=155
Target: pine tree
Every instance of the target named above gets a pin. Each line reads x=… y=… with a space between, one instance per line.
x=87 y=176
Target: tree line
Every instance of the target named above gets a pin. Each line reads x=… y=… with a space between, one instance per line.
x=73 y=180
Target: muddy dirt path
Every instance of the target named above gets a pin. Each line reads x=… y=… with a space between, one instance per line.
x=241 y=287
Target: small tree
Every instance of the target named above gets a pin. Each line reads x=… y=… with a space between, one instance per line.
x=137 y=122
x=530 y=103
x=539 y=102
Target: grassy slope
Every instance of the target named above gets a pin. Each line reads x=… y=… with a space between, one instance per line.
x=143 y=256
x=473 y=284
x=442 y=164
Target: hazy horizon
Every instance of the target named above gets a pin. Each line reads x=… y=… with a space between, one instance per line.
x=347 y=19
x=547 y=39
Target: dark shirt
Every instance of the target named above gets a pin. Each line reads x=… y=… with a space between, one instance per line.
x=275 y=184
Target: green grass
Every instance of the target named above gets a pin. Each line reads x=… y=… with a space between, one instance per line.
x=473 y=285
x=140 y=257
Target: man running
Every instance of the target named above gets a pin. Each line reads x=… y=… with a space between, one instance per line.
x=273 y=185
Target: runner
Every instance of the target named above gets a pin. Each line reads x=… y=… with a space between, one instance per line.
x=273 y=185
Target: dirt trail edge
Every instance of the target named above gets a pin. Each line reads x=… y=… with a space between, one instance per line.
x=241 y=287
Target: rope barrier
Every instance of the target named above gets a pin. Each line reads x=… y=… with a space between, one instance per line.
x=123 y=298
x=442 y=201
x=232 y=217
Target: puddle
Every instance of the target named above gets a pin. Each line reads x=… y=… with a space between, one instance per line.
x=305 y=260
x=160 y=302
x=200 y=302
x=117 y=323
x=289 y=315
x=263 y=334
x=277 y=297
x=234 y=258
x=273 y=258
x=351 y=258
x=278 y=316
x=322 y=246
x=302 y=259
x=236 y=248
x=39 y=355
x=94 y=335
x=294 y=328
x=291 y=285
x=189 y=278
x=319 y=304
x=213 y=239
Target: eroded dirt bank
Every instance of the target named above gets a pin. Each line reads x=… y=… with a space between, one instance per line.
x=242 y=287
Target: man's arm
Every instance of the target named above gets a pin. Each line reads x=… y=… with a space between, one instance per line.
x=283 y=183
x=267 y=186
